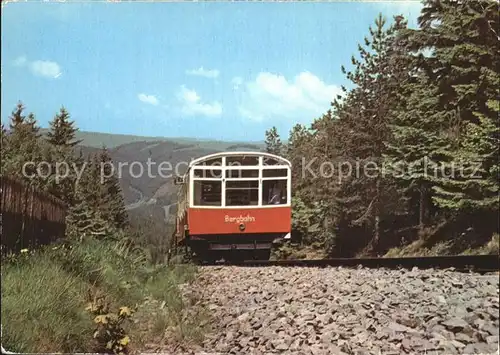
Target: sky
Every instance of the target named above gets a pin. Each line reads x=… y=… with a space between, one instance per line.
x=216 y=70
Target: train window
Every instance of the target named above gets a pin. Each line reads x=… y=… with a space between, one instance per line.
x=208 y=173
x=274 y=173
x=207 y=193
x=242 y=173
x=242 y=160
x=242 y=193
x=274 y=192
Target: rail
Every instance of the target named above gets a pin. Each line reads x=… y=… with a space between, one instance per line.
x=475 y=263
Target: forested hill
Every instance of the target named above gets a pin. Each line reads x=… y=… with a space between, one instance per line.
x=409 y=155
x=113 y=140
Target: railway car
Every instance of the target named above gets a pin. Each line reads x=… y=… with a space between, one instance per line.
x=233 y=205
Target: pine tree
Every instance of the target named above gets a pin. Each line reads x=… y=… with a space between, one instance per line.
x=474 y=173
x=84 y=222
x=411 y=156
x=22 y=148
x=273 y=142
x=17 y=118
x=365 y=196
x=61 y=139
x=112 y=205
x=298 y=152
x=464 y=66
x=90 y=184
x=62 y=130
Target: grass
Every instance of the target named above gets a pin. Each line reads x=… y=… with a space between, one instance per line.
x=491 y=248
x=419 y=248
x=168 y=315
x=43 y=307
x=45 y=293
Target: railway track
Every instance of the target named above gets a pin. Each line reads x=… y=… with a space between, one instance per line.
x=465 y=263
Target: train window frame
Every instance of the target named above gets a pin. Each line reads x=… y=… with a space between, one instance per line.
x=208 y=171
x=242 y=171
x=261 y=167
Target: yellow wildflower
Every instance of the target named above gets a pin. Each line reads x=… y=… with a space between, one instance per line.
x=125 y=311
x=101 y=319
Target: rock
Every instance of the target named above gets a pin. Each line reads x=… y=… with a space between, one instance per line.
x=398 y=327
x=244 y=317
x=441 y=300
x=464 y=338
x=457 y=344
x=479 y=348
x=455 y=324
x=335 y=350
x=492 y=339
x=281 y=346
x=406 y=344
x=491 y=329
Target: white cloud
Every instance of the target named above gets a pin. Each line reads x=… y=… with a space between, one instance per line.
x=207 y=73
x=191 y=104
x=237 y=82
x=149 y=99
x=272 y=96
x=45 y=68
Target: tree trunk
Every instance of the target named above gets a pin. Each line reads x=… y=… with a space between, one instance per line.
x=421 y=219
x=377 y=215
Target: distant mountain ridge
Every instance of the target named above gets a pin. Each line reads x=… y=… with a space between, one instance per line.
x=111 y=140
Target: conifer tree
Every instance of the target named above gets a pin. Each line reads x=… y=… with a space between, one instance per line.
x=455 y=118
x=273 y=142
x=411 y=156
x=84 y=222
x=61 y=139
x=89 y=182
x=62 y=130
x=112 y=205
x=298 y=147
x=17 y=118
x=22 y=148
x=365 y=196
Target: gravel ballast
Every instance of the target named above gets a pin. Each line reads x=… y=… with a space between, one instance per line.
x=292 y=310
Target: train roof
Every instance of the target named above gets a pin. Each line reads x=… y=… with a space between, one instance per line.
x=205 y=158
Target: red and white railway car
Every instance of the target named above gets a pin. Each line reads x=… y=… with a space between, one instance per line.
x=234 y=204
